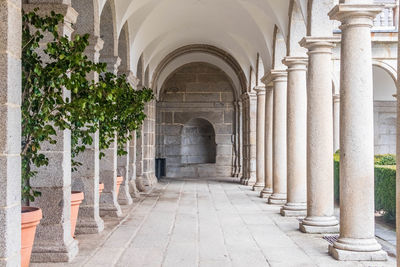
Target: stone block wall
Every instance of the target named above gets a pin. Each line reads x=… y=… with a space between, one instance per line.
x=196 y=92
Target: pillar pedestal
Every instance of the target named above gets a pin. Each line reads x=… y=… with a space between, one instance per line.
x=10 y=133
x=53 y=242
x=357 y=230
x=108 y=175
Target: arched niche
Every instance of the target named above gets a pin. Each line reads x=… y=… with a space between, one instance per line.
x=385 y=115
x=198 y=142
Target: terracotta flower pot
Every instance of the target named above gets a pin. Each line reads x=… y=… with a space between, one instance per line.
x=101 y=188
x=120 y=179
x=76 y=200
x=30 y=218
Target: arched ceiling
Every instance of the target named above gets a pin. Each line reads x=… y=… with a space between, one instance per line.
x=242 y=28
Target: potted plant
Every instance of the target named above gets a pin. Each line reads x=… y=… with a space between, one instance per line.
x=109 y=105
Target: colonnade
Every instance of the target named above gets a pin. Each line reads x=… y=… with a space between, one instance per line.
x=305 y=134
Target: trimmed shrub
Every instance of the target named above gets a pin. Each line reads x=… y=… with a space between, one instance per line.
x=385 y=191
x=385 y=184
x=386 y=159
x=336 y=159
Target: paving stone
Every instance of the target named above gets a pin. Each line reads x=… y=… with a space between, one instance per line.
x=206 y=223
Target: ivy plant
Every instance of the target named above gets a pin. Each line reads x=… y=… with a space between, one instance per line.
x=57 y=95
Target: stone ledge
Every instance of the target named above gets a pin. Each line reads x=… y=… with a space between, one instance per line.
x=318 y=229
x=346 y=255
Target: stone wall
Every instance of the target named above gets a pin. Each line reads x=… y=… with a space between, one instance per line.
x=385 y=127
x=196 y=91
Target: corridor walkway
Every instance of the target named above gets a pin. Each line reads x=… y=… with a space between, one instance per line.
x=204 y=223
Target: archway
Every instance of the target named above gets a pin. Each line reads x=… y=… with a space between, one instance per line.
x=384 y=111
x=198 y=142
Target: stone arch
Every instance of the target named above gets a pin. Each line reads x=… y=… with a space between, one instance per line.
x=108 y=31
x=297 y=30
x=387 y=68
x=198 y=144
x=123 y=50
x=318 y=22
x=90 y=21
x=260 y=72
x=201 y=48
x=384 y=81
x=279 y=50
x=139 y=70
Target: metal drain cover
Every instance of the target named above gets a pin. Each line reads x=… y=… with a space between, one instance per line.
x=331 y=238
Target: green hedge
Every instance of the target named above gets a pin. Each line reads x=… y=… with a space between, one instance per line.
x=385 y=184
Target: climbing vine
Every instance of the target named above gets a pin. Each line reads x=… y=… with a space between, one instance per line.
x=57 y=95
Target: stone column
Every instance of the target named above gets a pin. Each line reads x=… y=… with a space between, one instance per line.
x=357 y=221
x=132 y=166
x=259 y=185
x=53 y=240
x=296 y=137
x=320 y=203
x=398 y=158
x=240 y=137
x=86 y=178
x=252 y=117
x=336 y=122
x=245 y=138
x=269 y=104
x=124 y=196
x=10 y=134
x=279 y=78
x=108 y=163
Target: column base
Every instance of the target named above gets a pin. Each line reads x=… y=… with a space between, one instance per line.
x=347 y=255
x=124 y=197
x=266 y=193
x=319 y=225
x=249 y=182
x=110 y=211
x=277 y=199
x=89 y=226
x=53 y=253
x=258 y=187
x=294 y=210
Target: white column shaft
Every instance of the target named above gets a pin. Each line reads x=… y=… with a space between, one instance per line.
x=296 y=137
x=268 y=174
x=260 y=138
x=320 y=203
x=279 y=139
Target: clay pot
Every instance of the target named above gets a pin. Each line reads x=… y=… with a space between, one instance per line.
x=120 y=179
x=101 y=188
x=76 y=200
x=30 y=218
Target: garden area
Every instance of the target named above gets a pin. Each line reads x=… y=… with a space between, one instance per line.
x=385 y=185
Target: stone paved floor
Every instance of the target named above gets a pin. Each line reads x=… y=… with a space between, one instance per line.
x=204 y=223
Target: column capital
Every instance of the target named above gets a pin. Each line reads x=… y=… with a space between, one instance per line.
x=317 y=43
x=336 y=98
x=112 y=62
x=274 y=76
x=296 y=62
x=355 y=14
x=131 y=78
x=70 y=14
x=260 y=90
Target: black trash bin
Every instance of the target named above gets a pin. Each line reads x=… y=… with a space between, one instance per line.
x=160 y=167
